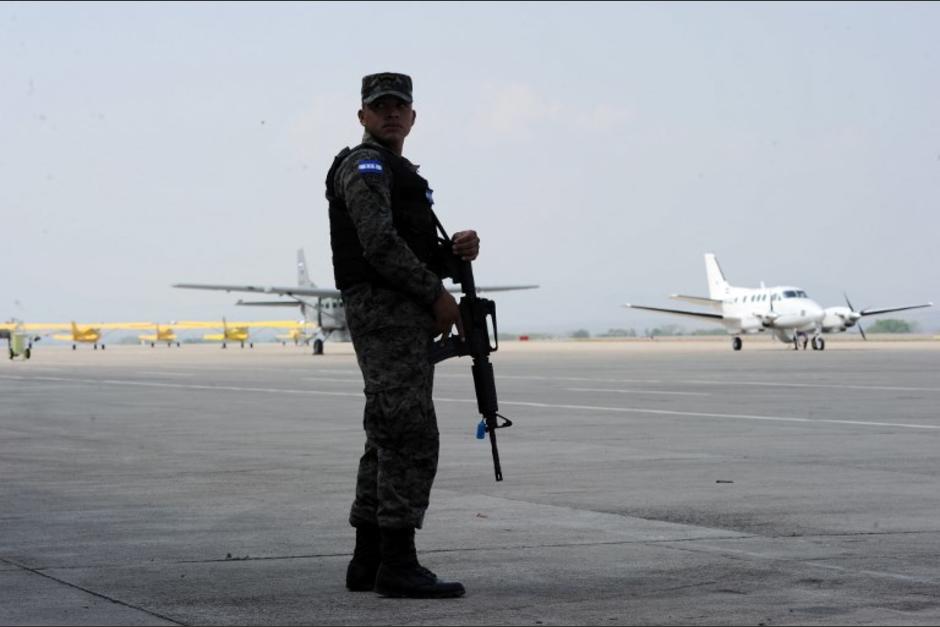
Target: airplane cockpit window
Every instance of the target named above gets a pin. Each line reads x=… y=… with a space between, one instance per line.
x=802 y=294
x=789 y=294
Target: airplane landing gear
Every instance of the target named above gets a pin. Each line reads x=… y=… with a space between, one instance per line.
x=318 y=347
x=819 y=344
x=737 y=343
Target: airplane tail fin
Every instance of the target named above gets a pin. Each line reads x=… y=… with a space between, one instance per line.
x=303 y=279
x=718 y=286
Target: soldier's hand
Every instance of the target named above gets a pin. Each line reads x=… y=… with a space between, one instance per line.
x=446 y=315
x=466 y=245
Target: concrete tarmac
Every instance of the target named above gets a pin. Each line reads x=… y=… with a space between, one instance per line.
x=645 y=483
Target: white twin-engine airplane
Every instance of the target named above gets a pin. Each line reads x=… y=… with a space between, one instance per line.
x=786 y=311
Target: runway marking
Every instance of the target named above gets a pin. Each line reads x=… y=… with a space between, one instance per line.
x=637 y=391
x=624 y=410
x=714 y=382
x=540 y=378
x=166 y=374
x=669 y=412
x=315 y=379
x=814 y=385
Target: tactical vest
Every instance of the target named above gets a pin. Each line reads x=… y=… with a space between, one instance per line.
x=411 y=215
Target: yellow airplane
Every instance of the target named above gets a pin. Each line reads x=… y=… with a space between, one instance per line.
x=298 y=336
x=238 y=331
x=164 y=334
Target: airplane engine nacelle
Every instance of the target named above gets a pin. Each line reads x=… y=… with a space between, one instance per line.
x=838 y=319
x=752 y=325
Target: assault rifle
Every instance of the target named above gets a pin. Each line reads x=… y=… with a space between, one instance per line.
x=475 y=342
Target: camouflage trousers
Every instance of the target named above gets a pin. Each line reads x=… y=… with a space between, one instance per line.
x=399 y=463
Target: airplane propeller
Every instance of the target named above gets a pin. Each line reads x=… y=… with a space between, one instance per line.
x=855 y=316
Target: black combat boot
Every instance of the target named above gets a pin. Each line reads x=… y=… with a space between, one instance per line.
x=360 y=575
x=400 y=574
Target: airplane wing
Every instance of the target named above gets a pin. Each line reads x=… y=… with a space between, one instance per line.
x=213 y=324
x=319 y=292
x=494 y=288
x=59 y=326
x=316 y=292
x=697 y=300
x=118 y=325
x=269 y=303
x=46 y=326
x=679 y=312
x=874 y=312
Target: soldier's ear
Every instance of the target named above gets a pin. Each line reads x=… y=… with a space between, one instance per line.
x=362 y=119
x=414 y=116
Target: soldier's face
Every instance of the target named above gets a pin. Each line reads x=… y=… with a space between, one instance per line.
x=388 y=119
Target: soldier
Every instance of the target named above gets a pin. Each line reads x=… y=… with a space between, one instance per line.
x=382 y=232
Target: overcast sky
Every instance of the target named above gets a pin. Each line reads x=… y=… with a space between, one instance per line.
x=598 y=149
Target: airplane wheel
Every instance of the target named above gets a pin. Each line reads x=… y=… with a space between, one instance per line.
x=153 y=345
x=251 y=345
x=737 y=343
x=28 y=353
x=223 y=344
x=102 y=347
x=819 y=344
x=96 y=347
x=74 y=347
x=177 y=345
x=318 y=347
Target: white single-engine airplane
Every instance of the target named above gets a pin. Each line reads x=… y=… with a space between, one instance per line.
x=786 y=311
x=322 y=307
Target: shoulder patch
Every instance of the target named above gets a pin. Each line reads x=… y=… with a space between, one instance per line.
x=370 y=165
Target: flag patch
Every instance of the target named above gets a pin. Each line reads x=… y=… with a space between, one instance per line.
x=370 y=165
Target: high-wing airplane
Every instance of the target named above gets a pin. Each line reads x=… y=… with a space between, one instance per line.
x=788 y=312
x=162 y=333
x=322 y=307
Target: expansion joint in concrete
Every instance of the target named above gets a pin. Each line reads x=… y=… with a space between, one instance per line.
x=91 y=592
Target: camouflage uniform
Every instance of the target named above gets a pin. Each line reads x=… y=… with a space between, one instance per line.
x=391 y=329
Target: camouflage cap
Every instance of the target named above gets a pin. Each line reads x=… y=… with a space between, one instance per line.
x=375 y=86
